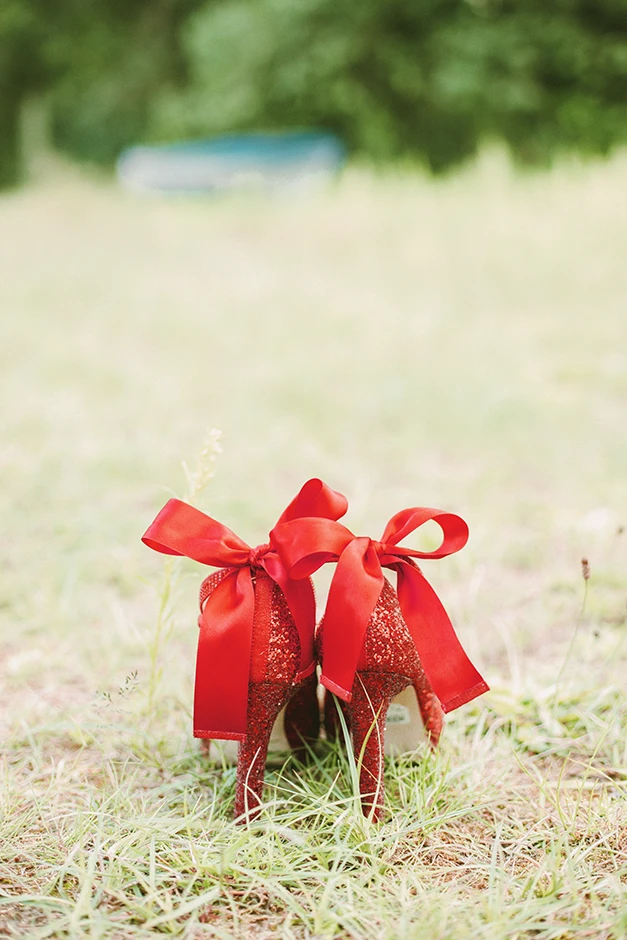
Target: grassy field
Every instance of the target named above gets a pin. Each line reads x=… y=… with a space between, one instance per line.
x=460 y=344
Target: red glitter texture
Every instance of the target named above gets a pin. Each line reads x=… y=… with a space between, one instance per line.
x=388 y=663
x=275 y=658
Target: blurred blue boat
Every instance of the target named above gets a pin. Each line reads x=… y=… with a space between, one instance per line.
x=290 y=159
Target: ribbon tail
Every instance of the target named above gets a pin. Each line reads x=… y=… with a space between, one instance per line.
x=353 y=595
x=302 y=604
x=453 y=677
x=223 y=660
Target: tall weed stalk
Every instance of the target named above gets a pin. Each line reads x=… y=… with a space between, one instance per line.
x=197 y=481
x=585 y=574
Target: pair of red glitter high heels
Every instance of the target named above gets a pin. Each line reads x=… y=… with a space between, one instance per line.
x=258 y=648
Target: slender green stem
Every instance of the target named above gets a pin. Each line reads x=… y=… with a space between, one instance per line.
x=573 y=639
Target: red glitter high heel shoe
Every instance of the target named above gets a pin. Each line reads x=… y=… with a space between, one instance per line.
x=376 y=644
x=255 y=646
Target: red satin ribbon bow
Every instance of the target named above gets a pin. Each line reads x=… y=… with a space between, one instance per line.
x=225 y=639
x=306 y=544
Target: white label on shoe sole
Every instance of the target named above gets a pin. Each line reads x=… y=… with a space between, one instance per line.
x=397 y=715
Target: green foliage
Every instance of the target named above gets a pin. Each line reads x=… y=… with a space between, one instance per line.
x=363 y=70
x=545 y=77
x=428 y=80
x=397 y=80
x=99 y=62
x=22 y=67
x=9 y=139
x=126 y=53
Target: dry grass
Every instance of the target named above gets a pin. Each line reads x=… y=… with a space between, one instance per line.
x=460 y=344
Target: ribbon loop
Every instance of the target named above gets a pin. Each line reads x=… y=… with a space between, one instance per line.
x=454 y=531
x=305 y=545
x=223 y=663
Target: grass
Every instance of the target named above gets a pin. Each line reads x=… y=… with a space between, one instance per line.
x=461 y=344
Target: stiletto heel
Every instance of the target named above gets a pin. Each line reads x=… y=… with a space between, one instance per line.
x=431 y=710
x=255 y=645
x=373 y=642
x=400 y=713
x=372 y=694
x=265 y=701
x=388 y=665
x=302 y=717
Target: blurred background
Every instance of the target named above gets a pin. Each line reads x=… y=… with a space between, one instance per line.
x=425 y=82
x=442 y=322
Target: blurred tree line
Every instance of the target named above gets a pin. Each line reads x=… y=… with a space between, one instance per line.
x=419 y=79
